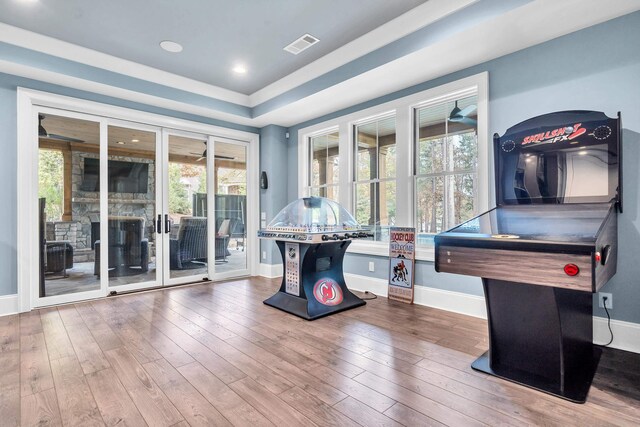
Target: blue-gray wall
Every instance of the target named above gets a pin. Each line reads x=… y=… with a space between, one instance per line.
x=8 y=159
x=273 y=161
x=594 y=69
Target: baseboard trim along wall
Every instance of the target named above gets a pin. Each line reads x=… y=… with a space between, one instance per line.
x=626 y=334
x=270 y=271
x=8 y=304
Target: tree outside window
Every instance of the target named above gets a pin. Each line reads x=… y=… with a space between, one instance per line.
x=325 y=165
x=375 y=175
x=446 y=166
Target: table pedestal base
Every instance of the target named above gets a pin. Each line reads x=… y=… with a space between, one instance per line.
x=540 y=337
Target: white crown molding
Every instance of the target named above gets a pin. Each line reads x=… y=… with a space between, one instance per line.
x=488 y=44
x=401 y=73
x=116 y=92
x=407 y=23
x=51 y=46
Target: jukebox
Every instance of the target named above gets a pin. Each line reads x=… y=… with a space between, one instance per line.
x=313 y=234
x=548 y=245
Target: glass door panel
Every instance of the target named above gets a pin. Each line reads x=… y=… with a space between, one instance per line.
x=69 y=205
x=132 y=209
x=187 y=208
x=230 y=183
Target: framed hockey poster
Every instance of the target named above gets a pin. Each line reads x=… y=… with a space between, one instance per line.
x=402 y=249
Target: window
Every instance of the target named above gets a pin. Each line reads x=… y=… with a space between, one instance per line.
x=446 y=165
x=419 y=161
x=375 y=175
x=325 y=165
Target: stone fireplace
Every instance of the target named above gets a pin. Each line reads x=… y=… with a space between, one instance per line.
x=83 y=230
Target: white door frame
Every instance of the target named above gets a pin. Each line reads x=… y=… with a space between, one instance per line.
x=104 y=206
x=252 y=209
x=29 y=101
x=166 y=272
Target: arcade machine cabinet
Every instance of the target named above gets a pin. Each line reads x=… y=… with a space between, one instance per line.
x=549 y=244
x=313 y=234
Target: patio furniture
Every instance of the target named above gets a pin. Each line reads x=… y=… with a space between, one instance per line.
x=128 y=249
x=189 y=249
x=59 y=257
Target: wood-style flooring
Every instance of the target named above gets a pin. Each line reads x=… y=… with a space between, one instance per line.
x=214 y=354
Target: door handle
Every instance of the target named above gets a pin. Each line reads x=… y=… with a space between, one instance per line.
x=167 y=223
x=159 y=224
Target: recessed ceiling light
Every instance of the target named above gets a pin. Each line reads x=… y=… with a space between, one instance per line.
x=240 y=69
x=28 y=1
x=120 y=142
x=135 y=140
x=170 y=46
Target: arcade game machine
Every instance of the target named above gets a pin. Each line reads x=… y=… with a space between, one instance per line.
x=313 y=234
x=549 y=244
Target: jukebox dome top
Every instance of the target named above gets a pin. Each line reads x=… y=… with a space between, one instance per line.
x=313 y=214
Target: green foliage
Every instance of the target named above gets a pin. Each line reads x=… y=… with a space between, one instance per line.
x=179 y=202
x=51 y=182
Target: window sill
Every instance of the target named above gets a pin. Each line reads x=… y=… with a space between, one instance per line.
x=367 y=247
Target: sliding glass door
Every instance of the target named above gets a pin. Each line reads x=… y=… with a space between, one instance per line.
x=186 y=204
x=125 y=206
x=69 y=204
x=231 y=189
x=134 y=207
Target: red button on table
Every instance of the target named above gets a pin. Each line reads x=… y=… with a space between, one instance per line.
x=571 y=269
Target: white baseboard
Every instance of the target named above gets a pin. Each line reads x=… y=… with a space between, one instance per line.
x=626 y=334
x=8 y=304
x=457 y=302
x=270 y=270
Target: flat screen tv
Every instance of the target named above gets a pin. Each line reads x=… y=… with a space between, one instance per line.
x=124 y=177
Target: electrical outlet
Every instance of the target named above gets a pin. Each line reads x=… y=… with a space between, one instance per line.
x=264 y=254
x=601 y=302
x=372 y=266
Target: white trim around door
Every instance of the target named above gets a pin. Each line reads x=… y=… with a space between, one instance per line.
x=29 y=102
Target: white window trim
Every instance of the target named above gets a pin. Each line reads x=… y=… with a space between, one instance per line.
x=403 y=109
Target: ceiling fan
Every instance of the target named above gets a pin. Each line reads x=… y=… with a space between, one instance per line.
x=42 y=133
x=216 y=156
x=461 y=115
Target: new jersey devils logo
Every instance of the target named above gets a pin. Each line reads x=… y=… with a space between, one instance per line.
x=327 y=292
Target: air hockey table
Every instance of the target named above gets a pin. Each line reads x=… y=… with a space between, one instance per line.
x=548 y=245
x=313 y=234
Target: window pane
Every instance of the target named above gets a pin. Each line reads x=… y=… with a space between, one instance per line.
x=387 y=147
x=364 y=209
x=464 y=151
x=387 y=205
x=366 y=151
x=430 y=155
x=331 y=192
x=333 y=159
x=429 y=204
x=324 y=159
x=461 y=198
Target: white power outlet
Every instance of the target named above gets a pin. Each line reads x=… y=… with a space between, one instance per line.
x=372 y=266
x=601 y=302
x=264 y=254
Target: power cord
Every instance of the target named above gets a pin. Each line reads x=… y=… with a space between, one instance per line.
x=606 y=310
x=370 y=294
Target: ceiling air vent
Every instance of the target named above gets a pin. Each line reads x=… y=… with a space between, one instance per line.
x=301 y=44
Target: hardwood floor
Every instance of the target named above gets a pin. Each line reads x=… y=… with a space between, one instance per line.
x=214 y=354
